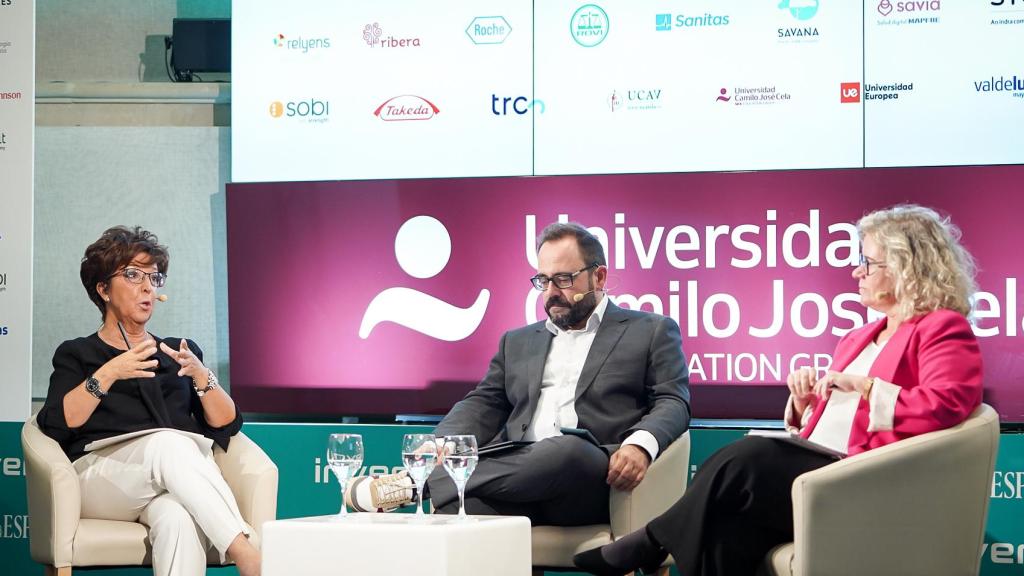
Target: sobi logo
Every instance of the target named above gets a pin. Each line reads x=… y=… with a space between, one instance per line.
x=311 y=110
x=423 y=248
x=589 y=25
x=800 y=9
x=406 y=107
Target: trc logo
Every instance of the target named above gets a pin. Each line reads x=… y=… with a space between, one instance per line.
x=500 y=106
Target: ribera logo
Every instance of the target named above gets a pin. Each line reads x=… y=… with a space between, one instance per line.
x=374 y=37
x=891 y=91
x=849 y=92
x=1013 y=85
x=589 y=25
x=406 y=107
x=312 y=110
x=503 y=106
x=664 y=22
x=920 y=12
x=301 y=44
x=645 y=99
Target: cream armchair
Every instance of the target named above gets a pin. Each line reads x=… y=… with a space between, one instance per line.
x=917 y=506
x=554 y=546
x=60 y=539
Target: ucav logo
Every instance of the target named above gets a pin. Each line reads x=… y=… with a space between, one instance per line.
x=501 y=106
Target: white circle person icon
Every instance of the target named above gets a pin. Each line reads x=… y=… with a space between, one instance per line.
x=423 y=248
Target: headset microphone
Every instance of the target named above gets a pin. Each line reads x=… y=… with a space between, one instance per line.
x=579 y=297
x=162 y=297
x=882 y=295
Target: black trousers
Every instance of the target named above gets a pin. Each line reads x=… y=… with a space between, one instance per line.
x=737 y=507
x=558 y=481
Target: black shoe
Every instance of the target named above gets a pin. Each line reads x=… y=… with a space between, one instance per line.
x=593 y=561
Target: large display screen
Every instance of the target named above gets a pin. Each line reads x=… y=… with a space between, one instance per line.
x=391 y=296
x=328 y=89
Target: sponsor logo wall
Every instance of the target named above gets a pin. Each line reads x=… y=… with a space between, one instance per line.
x=931 y=74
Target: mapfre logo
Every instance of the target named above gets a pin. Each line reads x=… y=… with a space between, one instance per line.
x=406 y=107
x=849 y=92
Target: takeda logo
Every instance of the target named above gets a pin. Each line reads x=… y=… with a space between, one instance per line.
x=406 y=107
x=849 y=92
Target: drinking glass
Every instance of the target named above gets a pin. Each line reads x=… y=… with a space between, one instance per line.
x=344 y=456
x=419 y=456
x=460 y=457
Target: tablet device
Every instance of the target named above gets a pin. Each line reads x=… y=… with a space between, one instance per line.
x=502 y=447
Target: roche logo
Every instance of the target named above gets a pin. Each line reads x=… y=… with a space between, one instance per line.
x=589 y=25
x=488 y=30
x=849 y=92
x=406 y=107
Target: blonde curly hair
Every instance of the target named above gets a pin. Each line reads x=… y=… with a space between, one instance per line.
x=922 y=250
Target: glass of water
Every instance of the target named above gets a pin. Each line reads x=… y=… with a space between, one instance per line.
x=460 y=457
x=344 y=456
x=419 y=456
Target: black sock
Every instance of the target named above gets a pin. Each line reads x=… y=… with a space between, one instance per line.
x=633 y=550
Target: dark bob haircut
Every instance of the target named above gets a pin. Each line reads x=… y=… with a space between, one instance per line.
x=114 y=250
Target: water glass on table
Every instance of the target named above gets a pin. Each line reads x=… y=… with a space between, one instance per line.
x=460 y=458
x=419 y=456
x=344 y=456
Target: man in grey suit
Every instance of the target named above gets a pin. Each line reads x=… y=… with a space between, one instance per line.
x=616 y=372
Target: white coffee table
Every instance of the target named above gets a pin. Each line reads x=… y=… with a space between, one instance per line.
x=438 y=545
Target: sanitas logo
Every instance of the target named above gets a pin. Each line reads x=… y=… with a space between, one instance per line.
x=634 y=100
x=311 y=110
x=374 y=37
x=884 y=92
x=301 y=44
x=663 y=22
x=849 y=92
x=406 y=107
x=502 y=106
x=488 y=30
x=589 y=25
x=906 y=12
x=1013 y=85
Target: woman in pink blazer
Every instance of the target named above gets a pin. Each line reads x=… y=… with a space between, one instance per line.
x=916 y=370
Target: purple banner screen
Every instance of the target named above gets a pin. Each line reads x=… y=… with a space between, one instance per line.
x=382 y=297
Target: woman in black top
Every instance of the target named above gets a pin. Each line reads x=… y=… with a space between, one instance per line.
x=123 y=380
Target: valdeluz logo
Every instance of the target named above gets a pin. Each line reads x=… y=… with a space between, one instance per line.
x=312 y=110
x=301 y=44
x=634 y=100
x=406 y=107
x=322 y=471
x=884 y=92
x=1014 y=86
x=921 y=12
x=663 y=22
x=503 y=106
x=759 y=95
x=374 y=37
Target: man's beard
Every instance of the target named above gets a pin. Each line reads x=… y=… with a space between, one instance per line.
x=577 y=313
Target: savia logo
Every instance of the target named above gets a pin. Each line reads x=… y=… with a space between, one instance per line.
x=406 y=107
x=488 y=30
x=302 y=44
x=423 y=248
x=374 y=37
x=906 y=12
x=502 y=106
x=312 y=110
x=849 y=92
x=589 y=25
x=1013 y=85
x=663 y=22
x=648 y=99
x=800 y=9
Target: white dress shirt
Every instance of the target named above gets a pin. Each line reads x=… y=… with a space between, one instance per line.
x=556 y=407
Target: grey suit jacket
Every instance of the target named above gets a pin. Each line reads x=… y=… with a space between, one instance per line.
x=634 y=378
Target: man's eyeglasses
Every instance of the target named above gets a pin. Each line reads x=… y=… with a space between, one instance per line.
x=136 y=276
x=869 y=264
x=562 y=281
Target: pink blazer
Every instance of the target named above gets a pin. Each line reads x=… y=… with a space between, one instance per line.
x=936 y=361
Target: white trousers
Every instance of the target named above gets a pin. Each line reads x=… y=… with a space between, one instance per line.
x=167 y=482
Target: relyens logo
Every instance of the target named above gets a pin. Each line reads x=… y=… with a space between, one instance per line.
x=311 y=110
x=406 y=107
x=301 y=44
x=374 y=37
x=849 y=92
x=663 y=22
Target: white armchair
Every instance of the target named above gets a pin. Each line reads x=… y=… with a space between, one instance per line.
x=60 y=539
x=917 y=506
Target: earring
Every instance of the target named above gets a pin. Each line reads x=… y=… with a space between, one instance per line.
x=106 y=298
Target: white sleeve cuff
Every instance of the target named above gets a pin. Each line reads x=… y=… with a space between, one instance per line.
x=882 y=405
x=792 y=425
x=645 y=440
